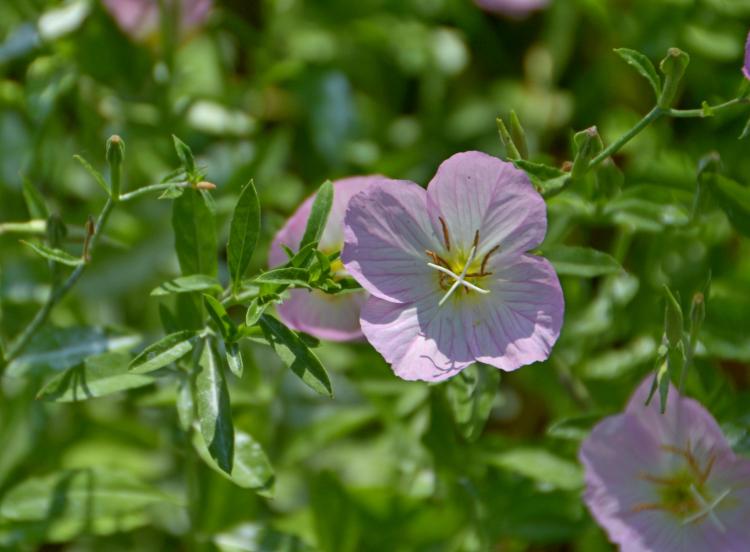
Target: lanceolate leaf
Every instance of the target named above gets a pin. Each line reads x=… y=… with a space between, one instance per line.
x=643 y=65
x=221 y=318
x=321 y=208
x=187 y=284
x=581 y=261
x=164 y=352
x=35 y=203
x=53 y=254
x=100 y=375
x=213 y=407
x=61 y=348
x=234 y=359
x=243 y=233
x=251 y=468
x=195 y=234
x=290 y=275
x=293 y=351
x=96 y=175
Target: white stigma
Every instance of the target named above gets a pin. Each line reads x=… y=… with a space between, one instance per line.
x=460 y=279
x=707 y=508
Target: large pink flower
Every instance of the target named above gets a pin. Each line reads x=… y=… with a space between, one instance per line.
x=140 y=18
x=667 y=482
x=330 y=317
x=451 y=283
x=513 y=8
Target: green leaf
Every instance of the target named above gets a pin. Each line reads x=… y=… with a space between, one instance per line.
x=643 y=65
x=100 y=375
x=254 y=312
x=581 y=261
x=187 y=284
x=548 y=180
x=734 y=200
x=674 y=323
x=53 y=254
x=234 y=359
x=470 y=395
x=61 y=348
x=293 y=351
x=213 y=407
x=96 y=175
x=289 y=276
x=574 y=428
x=90 y=500
x=541 y=466
x=35 y=203
x=195 y=234
x=185 y=154
x=243 y=233
x=321 y=208
x=255 y=537
x=251 y=468
x=221 y=318
x=164 y=352
x=185 y=405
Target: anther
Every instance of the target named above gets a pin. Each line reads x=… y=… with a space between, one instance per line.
x=446 y=236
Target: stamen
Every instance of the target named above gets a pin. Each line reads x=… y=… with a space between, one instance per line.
x=455 y=276
x=487 y=258
x=446 y=236
x=475 y=243
x=707 y=509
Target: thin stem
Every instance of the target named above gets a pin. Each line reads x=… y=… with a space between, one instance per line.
x=18 y=345
x=615 y=146
x=152 y=188
x=700 y=113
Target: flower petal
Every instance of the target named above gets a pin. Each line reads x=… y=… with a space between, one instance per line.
x=520 y=320
x=387 y=232
x=746 y=67
x=685 y=422
x=330 y=317
x=473 y=191
x=333 y=234
x=420 y=340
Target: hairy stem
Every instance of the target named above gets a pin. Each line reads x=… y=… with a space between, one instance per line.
x=152 y=188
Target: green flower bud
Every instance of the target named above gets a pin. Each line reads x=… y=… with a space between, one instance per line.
x=519 y=135
x=115 y=154
x=588 y=144
x=673 y=320
x=511 y=151
x=673 y=66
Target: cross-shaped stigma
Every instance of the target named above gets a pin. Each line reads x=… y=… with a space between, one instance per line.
x=707 y=508
x=460 y=279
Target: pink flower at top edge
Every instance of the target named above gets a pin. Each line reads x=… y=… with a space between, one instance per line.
x=330 y=317
x=667 y=482
x=512 y=8
x=140 y=18
x=448 y=273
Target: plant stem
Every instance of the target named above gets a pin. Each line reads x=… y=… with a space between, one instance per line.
x=152 y=188
x=700 y=113
x=615 y=146
x=18 y=345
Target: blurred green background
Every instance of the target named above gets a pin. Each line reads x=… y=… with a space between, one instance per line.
x=291 y=93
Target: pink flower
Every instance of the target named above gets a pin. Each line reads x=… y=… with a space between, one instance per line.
x=330 y=317
x=140 y=18
x=447 y=270
x=667 y=482
x=513 y=8
x=746 y=67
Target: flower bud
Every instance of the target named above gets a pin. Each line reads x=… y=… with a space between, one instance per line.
x=115 y=154
x=519 y=135
x=673 y=320
x=511 y=151
x=673 y=66
x=697 y=313
x=588 y=144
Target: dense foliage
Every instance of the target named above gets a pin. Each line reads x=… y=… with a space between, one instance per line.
x=151 y=396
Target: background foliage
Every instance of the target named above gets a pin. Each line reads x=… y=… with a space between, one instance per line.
x=291 y=93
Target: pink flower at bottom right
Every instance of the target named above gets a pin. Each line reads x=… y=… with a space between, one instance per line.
x=667 y=482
